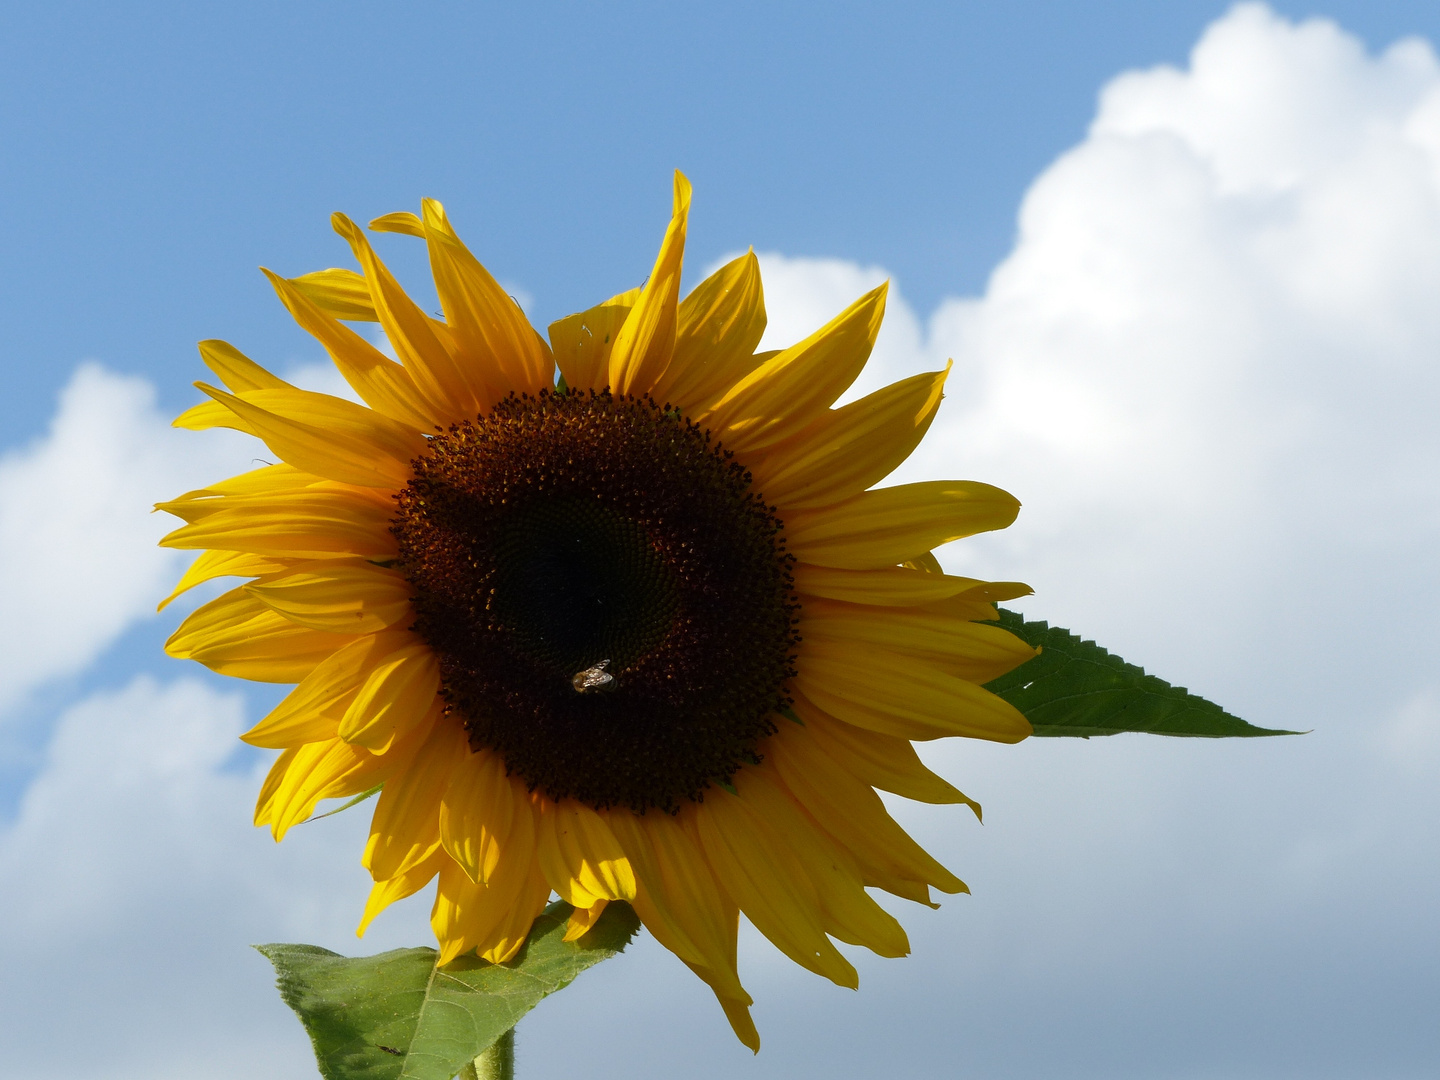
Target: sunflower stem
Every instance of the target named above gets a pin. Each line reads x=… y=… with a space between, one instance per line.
x=496 y=1063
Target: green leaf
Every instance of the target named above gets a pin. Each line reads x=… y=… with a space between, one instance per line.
x=1076 y=688
x=396 y=1016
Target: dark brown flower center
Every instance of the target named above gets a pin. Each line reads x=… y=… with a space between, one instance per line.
x=610 y=603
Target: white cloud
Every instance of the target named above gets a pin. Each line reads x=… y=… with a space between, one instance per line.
x=78 y=562
x=135 y=883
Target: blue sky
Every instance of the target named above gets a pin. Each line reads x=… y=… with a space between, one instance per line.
x=1192 y=312
x=155 y=154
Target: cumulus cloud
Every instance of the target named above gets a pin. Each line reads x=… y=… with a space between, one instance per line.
x=1214 y=346
x=77 y=536
x=131 y=863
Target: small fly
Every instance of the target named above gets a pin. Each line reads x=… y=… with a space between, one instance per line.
x=593 y=678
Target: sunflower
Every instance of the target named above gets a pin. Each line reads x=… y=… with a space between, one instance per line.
x=643 y=632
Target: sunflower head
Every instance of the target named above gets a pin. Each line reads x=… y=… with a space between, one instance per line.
x=609 y=602
x=641 y=628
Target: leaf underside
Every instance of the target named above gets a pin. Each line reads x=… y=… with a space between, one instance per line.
x=396 y=1016
x=1076 y=688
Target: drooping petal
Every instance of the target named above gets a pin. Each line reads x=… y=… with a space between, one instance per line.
x=789 y=391
x=271 y=785
x=405 y=827
x=509 y=934
x=582 y=920
x=489 y=327
x=681 y=903
x=889 y=525
x=492 y=917
x=678 y=897
x=483 y=813
x=343 y=596
x=582 y=342
x=327 y=770
x=579 y=855
x=849 y=913
x=852 y=813
x=761 y=875
x=405 y=883
x=901 y=695
x=645 y=343
x=846 y=450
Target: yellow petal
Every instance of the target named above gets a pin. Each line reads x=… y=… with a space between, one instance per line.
x=424 y=351
x=398 y=695
x=852 y=813
x=402 y=221
x=882 y=761
x=971 y=650
x=721 y=323
x=314 y=709
x=901 y=695
x=582 y=342
x=678 y=898
x=328 y=436
x=340 y=294
x=235 y=634
x=761 y=875
x=407 y=883
x=848 y=912
x=303 y=524
x=504 y=941
x=483 y=813
x=898 y=586
x=493 y=917
x=325 y=770
x=405 y=828
x=582 y=919
x=236 y=370
x=646 y=342
x=737 y=1011
x=381 y=383
x=266 y=480
x=889 y=525
x=343 y=596
x=208 y=415
x=579 y=855
x=489 y=327
x=273 y=779
x=213 y=564
x=846 y=450
x=789 y=391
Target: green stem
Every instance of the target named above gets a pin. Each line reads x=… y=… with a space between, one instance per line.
x=497 y=1063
